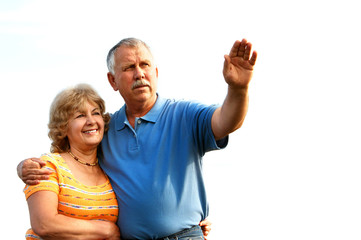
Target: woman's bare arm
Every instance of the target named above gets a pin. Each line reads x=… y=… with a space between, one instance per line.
x=49 y=224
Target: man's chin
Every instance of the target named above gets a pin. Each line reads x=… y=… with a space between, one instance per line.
x=144 y=96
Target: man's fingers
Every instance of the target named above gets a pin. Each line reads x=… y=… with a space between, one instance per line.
x=32 y=182
x=40 y=162
x=34 y=163
x=207 y=227
x=31 y=166
x=253 y=59
x=227 y=64
x=36 y=173
x=247 y=51
x=242 y=48
x=32 y=171
x=34 y=179
x=234 y=49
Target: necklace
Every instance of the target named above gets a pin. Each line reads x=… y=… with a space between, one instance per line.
x=84 y=163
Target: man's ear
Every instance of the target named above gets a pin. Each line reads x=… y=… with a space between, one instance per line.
x=112 y=82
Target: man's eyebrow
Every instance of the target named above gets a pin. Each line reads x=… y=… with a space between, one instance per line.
x=125 y=65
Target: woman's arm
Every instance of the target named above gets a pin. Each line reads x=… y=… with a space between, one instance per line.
x=49 y=224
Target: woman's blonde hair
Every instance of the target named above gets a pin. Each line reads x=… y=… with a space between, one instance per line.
x=64 y=105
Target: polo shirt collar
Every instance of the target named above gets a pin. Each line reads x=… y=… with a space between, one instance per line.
x=154 y=113
x=151 y=116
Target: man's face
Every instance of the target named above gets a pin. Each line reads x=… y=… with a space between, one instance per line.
x=135 y=75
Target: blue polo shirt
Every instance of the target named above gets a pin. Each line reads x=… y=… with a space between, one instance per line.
x=156 y=168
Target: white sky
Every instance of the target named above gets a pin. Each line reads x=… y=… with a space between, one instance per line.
x=291 y=172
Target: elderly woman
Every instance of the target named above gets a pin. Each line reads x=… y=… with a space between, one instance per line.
x=78 y=191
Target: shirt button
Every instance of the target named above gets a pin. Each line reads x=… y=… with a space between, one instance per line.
x=139 y=121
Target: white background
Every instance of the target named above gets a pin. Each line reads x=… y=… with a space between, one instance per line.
x=291 y=172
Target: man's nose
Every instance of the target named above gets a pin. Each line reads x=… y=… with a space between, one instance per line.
x=139 y=73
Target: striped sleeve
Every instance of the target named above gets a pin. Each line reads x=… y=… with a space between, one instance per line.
x=52 y=184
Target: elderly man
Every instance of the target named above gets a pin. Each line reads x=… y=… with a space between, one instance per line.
x=153 y=149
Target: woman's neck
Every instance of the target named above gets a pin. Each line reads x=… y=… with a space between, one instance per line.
x=87 y=156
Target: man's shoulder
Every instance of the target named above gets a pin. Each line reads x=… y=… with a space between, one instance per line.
x=117 y=113
x=186 y=104
x=171 y=102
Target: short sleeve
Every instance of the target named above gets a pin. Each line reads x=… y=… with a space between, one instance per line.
x=200 y=119
x=52 y=184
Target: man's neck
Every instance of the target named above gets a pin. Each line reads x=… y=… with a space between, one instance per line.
x=138 y=110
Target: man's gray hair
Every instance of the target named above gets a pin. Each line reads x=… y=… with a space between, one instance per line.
x=129 y=42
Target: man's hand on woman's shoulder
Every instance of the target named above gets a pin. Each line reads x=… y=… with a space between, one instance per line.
x=30 y=171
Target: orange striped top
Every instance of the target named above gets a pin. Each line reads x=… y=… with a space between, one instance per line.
x=75 y=199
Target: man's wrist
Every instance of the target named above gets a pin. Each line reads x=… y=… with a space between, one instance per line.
x=238 y=91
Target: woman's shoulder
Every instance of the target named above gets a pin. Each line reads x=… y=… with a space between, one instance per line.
x=54 y=159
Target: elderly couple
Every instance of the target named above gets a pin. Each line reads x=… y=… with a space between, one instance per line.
x=148 y=181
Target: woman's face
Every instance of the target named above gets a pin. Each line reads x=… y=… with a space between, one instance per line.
x=86 y=127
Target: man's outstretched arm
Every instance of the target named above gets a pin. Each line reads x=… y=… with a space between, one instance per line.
x=237 y=72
